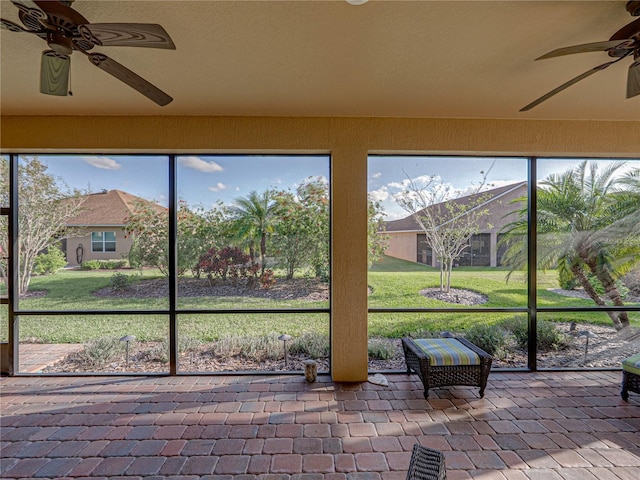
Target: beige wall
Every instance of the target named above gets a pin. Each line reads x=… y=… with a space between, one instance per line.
x=348 y=140
x=122 y=246
x=403 y=245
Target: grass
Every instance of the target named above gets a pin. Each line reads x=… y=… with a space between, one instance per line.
x=394 y=284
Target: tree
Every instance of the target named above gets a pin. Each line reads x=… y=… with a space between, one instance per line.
x=377 y=241
x=45 y=205
x=150 y=230
x=301 y=229
x=254 y=217
x=587 y=228
x=198 y=231
x=448 y=220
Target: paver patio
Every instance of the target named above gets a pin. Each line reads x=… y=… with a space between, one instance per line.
x=560 y=425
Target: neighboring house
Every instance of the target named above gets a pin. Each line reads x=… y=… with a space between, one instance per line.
x=102 y=220
x=407 y=240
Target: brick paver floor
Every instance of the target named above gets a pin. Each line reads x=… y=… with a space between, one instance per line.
x=561 y=425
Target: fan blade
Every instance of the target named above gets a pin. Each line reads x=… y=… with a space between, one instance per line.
x=54 y=73
x=127 y=35
x=28 y=5
x=25 y=3
x=633 y=80
x=628 y=31
x=30 y=15
x=589 y=47
x=568 y=84
x=13 y=27
x=132 y=79
x=60 y=15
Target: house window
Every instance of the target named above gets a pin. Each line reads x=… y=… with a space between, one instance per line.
x=479 y=252
x=425 y=253
x=103 y=241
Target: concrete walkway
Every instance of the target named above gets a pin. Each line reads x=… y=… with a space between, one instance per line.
x=547 y=426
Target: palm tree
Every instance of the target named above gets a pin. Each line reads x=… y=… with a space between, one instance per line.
x=254 y=217
x=587 y=227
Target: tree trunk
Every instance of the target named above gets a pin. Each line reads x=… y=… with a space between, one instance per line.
x=24 y=275
x=449 y=274
x=263 y=251
x=578 y=273
x=612 y=292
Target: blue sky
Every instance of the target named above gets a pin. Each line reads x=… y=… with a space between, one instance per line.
x=387 y=177
x=204 y=180
x=201 y=180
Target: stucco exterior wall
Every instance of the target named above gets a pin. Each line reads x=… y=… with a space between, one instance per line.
x=403 y=245
x=349 y=141
x=123 y=245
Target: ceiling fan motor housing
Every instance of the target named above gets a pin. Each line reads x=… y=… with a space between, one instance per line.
x=60 y=43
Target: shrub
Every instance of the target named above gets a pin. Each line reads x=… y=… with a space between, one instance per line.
x=228 y=263
x=267 y=279
x=252 y=348
x=160 y=351
x=549 y=337
x=381 y=348
x=313 y=344
x=104 y=264
x=490 y=338
x=566 y=280
x=114 y=264
x=424 y=333
x=119 y=281
x=90 y=265
x=97 y=353
x=50 y=262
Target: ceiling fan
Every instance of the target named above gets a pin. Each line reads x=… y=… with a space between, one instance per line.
x=66 y=30
x=623 y=43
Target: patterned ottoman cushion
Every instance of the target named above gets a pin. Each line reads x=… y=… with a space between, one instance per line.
x=632 y=364
x=447 y=351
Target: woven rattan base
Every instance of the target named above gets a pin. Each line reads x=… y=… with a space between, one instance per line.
x=630 y=383
x=426 y=464
x=440 y=376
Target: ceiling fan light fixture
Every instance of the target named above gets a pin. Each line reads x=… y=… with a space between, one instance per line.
x=65 y=30
x=356 y=2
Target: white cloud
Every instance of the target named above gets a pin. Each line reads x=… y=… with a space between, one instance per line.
x=200 y=165
x=376 y=175
x=379 y=195
x=104 y=163
x=219 y=186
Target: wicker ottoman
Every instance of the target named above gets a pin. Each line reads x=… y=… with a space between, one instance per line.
x=447 y=361
x=630 y=376
x=426 y=464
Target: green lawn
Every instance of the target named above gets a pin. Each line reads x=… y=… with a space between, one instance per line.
x=393 y=283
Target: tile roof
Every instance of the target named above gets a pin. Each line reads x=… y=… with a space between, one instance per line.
x=409 y=224
x=108 y=208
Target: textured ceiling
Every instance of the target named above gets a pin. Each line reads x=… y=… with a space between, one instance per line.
x=455 y=59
